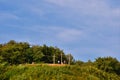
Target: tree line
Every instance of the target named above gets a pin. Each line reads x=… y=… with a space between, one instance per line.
x=14 y=52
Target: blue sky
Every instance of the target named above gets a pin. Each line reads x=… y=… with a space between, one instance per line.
x=85 y=28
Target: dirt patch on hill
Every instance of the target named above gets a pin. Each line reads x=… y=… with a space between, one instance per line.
x=57 y=64
x=46 y=64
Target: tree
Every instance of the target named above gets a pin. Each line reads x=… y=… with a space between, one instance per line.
x=108 y=64
x=20 y=52
x=37 y=53
x=11 y=42
x=70 y=58
x=78 y=62
x=14 y=52
x=48 y=55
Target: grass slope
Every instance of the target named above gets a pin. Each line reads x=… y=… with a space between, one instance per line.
x=48 y=72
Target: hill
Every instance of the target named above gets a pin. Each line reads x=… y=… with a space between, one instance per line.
x=47 y=72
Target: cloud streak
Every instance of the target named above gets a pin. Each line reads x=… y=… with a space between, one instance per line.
x=6 y=16
x=99 y=11
x=89 y=7
x=69 y=35
x=60 y=33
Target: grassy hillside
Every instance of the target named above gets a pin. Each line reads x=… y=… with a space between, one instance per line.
x=48 y=72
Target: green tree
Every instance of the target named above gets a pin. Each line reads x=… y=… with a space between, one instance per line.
x=21 y=52
x=14 y=52
x=108 y=64
x=70 y=59
x=37 y=53
x=78 y=62
x=47 y=58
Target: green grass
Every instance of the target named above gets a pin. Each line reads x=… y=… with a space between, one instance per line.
x=44 y=72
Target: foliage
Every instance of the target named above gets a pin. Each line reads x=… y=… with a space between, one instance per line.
x=45 y=72
x=21 y=52
x=108 y=64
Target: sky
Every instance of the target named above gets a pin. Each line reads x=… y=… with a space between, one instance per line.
x=85 y=28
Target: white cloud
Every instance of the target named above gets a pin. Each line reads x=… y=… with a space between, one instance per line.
x=6 y=16
x=34 y=9
x=65 y=34
x=99 y=12
x=116 y=12
x=59 y=33
x=69 y=34
x=84 y=6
